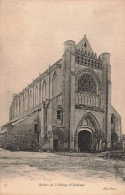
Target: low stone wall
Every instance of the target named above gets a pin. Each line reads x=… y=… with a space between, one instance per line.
x=114 y=154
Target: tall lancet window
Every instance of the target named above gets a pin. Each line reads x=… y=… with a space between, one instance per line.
x=21 y=104
x=112 y=121
x=86 y=83
x=36 y=95
x=44 y=91
x=41 y=91
x=16 y=107
x=25 y=101
x=12 y=110
x=31 y=98
x=54 y=84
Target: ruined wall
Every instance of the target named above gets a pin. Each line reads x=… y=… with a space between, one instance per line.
x=116 y=122
x=23 y=132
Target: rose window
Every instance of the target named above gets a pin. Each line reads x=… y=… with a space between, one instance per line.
x=86 y=83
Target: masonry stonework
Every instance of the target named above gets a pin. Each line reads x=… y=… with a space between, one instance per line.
x=68 y=107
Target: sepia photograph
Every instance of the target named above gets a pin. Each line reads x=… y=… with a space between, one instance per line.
x=62 y=93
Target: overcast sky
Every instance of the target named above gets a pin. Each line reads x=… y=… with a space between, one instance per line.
x=32 y=33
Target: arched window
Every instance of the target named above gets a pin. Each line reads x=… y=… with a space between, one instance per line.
x=41 y=91
x=16 y=107
x=86 y=83
x=44 y=91
x=31 y=98
x=12 y=110
x=112 y=121
x=112 y=118
x=21 y=104
x=54 y=84
x=10 y=113
x=36 y=95
x=25 y=101
x=58 y=114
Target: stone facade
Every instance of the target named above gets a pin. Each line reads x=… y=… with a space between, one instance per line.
x=68 y=107
x=123 y=141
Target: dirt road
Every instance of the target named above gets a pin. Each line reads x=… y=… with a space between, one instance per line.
x=36 y=173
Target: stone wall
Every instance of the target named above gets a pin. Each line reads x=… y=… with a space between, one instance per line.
x=46 y=86
x=116 y=123
x=23 y=135
x=48 y=111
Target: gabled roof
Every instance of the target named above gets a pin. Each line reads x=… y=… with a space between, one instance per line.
x=84 y=45
x=113 y=110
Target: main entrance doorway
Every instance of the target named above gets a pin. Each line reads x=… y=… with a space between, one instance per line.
x=84 y=141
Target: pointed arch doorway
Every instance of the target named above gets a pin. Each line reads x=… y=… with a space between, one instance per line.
x=84 y=140
x=58 y=139
x=88 y=134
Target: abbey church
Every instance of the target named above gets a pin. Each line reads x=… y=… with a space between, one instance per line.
x=67 y=107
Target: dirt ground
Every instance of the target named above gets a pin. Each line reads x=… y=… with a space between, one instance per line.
x=59 y=173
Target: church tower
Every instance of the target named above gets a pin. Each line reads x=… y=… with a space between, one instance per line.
x=86 y=96
x=68 y=64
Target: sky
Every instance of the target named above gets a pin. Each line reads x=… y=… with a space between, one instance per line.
x=32 y=34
